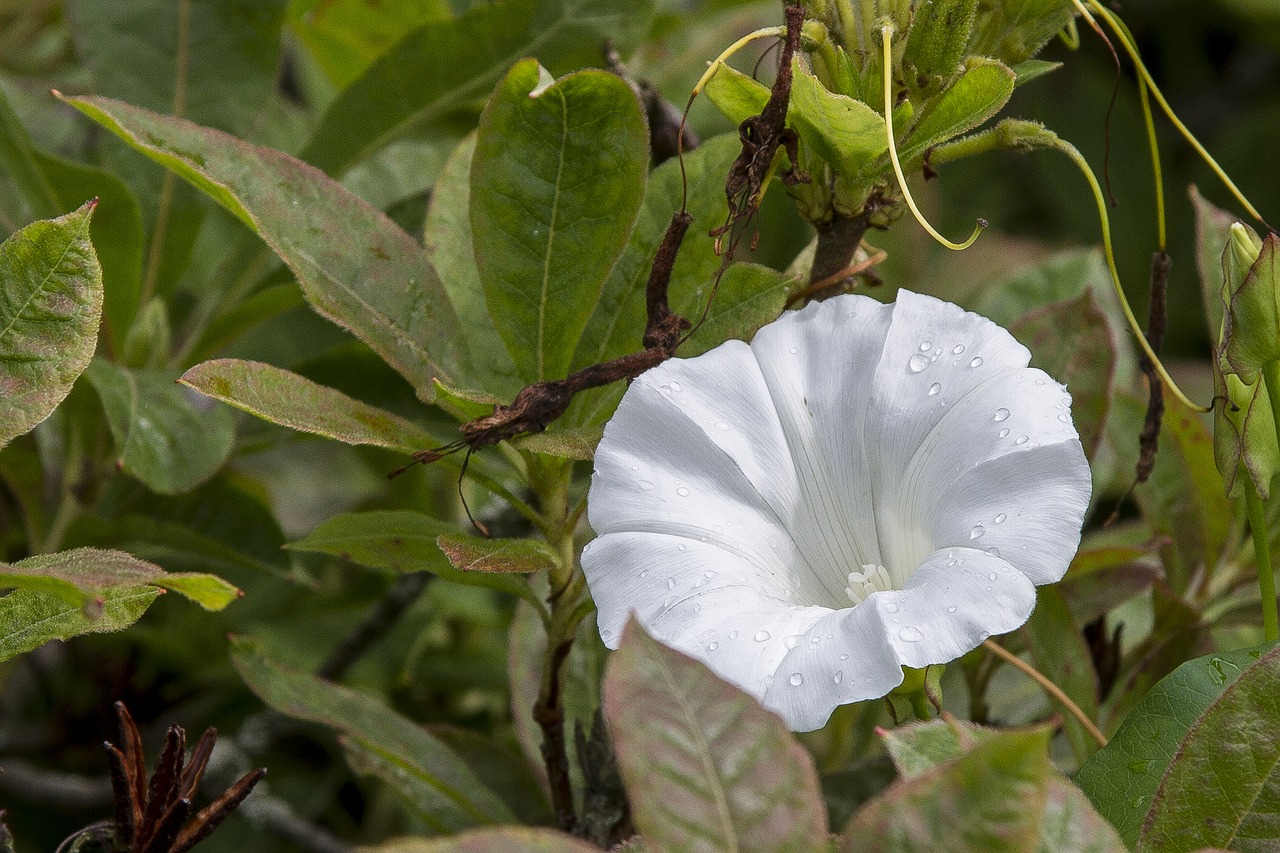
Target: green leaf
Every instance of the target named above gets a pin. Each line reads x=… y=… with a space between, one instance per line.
x=508 y=839
x=1033 y=69
x=573 y=443
x=344 y=37
x=50 y=306
x=918 y=748
x=989 y=800
x=28 y=619
x=556 y=181
x=1162 y=745
x=355 y=266
x=163 y=435
x=80 y=576
x=1071 y=341
x=402 y=541
x=503 y=769
x=706 y=768
x=737 y=95
x=979 y=94
x=448 y=240
x=442 y=71
x=500 y=556
x=447 y=794
x=846 y=133
x=1015 y=30
x=294 y=401
x=1071 y=825
x=1213 y=230
x=146 y=52
x=27 y=195
x=937 y=41
x=1058 y=649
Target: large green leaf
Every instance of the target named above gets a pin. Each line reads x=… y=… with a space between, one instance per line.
x=509 y=839
x=356 y=267
x=706 y=768
x=1071 y=341
x=79 y=577
x=447 y=236
x=50 y=305
x=1187 y=711
x=556 y=180
x=345 y=37
x=29 y=619
x=402 y=541
x=991 y=799
x=166 y=436
x=286 y=398
x=979 y=94
x=447 y=68
x=846 y=133
x=446 y=794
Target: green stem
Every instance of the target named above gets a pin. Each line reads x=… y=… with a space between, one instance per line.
x=1262 y=557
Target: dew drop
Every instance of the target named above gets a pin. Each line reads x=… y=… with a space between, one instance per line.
x=1022 y=439
x=959 y=348
x=1002 y=414
x=791 y=641
x=934 y=389
x=721 y=425
x=645 y=573
x=676 y=387
x=993 y=576
x=917 y=363
x=815 y=640
x=635 y=467
x=733 y=635
x=1004 y=433
x=992 y=552
x=1064 y=419
x=844 y=657
x=1039 y=382
x=1000 y=519
x=926 y=346
x=712 y=646
x=937 y=352
x=952 y=609
x=796 y=679
x=910 y=634
x=838 y=677
x=891 y=607
x=794 y=350
x=671 y=583
x=682 y=547
x=977 y=361
x=682 y=492
x=645 y=485
x=697 y=608
x=761 y=636
x=977 y=531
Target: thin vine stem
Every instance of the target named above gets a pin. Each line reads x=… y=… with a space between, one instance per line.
x=1049 y=687
x=1262 y=557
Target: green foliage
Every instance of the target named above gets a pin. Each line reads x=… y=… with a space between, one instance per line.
x=49 y=312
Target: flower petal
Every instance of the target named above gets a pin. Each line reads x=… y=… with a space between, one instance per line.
x=816 y=363
x=955 y=600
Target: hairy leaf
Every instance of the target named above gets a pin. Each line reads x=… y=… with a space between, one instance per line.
x=979 y=94
x=29 y=619
x=502 y=556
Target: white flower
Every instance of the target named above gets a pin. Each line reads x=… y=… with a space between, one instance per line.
x=864 y=487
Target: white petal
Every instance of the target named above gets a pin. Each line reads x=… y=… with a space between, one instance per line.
x=817 y=363
x=935 y=355
x=737 y=618
x=659 y=471
x=953 y=602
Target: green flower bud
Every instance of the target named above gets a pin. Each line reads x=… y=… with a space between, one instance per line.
x=1244 y=434
x=1251 y=291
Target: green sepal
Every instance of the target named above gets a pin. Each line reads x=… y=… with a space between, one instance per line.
x=937 y=41
x=1251 y=327
x=1244 y=435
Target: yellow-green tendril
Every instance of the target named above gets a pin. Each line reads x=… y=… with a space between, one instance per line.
x=1122 y=33
x=1049 y=687
x=1156 y=172
x=1100 y=200
x=1262 y=557
x=886 y=32
x=713 y=67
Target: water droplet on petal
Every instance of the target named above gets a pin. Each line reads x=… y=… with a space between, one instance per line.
x=910 y=634
x=796 y=679
x=1039 y=382
x=993 y=576
x=934 y=389
x=1004 y=433
x=697 y=608
x=977 y=361
x=844 y=657
x=926 y=346
x=992 y=552
x=733 y=635
x=677 y=387
x=815 y=640
x=937 y=352
x=721 y=425
x=791 y=640
x=645 y=485
x=682 y=492
x=1022 y=439
x=952 y=609
x=838 y=677
x=1001 y=518
x=891 y=607
x=635 y=467
x=682 y=547
x=761 y=636
x=671 y=583
x=712 y=646
x=645 y=573
x=917 y=363
x=794 y=350
x=1002 y=414
x=1064 y=419
x=977 y=531
x=959 y=348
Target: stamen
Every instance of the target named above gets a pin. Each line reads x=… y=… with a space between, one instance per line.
x=871 y=579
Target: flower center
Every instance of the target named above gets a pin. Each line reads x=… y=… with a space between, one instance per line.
x=871 y=579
